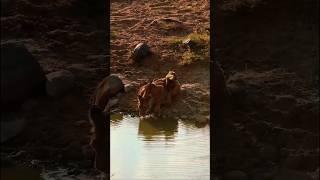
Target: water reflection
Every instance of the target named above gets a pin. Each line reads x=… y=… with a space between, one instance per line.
x=151 y=129
x=158 y=149
x=116 y=119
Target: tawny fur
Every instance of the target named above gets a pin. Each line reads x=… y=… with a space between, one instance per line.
x=161 y=91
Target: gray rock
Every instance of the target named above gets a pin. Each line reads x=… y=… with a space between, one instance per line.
x=59 y=83
x=141 y=51
x=21 y=74
x=106 y=89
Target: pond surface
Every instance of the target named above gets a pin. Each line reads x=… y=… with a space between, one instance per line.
x=161 y=149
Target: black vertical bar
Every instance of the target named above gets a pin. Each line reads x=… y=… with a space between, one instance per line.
x=212 y=121
x=108 y=35
x=107 y=21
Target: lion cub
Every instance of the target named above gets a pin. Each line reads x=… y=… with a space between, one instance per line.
x=152 y=95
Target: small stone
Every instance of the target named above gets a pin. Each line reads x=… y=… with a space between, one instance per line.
x=141 y=51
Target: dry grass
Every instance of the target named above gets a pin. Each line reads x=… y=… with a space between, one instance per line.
x=113 y=35
x=198 y=52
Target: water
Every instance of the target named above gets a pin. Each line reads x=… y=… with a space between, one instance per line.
x=158 y=149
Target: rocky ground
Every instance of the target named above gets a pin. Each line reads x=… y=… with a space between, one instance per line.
x=269 y=52
x=61 y=35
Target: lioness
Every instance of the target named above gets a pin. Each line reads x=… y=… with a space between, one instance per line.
x=157 y=92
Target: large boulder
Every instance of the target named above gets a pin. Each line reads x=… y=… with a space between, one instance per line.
x=21 y=75
x=109 y=87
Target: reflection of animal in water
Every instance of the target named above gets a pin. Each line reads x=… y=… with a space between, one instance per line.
x=150 y=128
x=152 y=95
x=99 y=139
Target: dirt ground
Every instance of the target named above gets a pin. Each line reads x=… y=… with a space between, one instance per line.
x=133 y=22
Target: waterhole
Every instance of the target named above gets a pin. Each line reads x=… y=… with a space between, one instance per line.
x=161 y=149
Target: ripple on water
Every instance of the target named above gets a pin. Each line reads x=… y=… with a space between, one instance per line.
x=158 y=149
